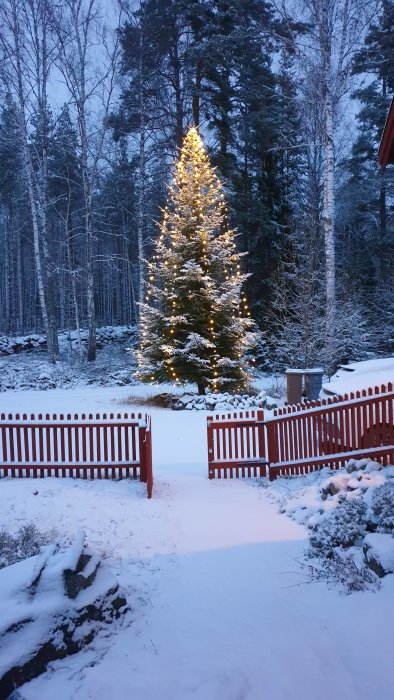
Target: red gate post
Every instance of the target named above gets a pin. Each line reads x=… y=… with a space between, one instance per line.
x=148 y=454
x=145 y=443
x=261 y=433
x=211 y=473
x=272 y=447
x=143 y=453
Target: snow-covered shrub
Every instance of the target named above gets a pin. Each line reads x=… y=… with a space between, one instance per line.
x=350 y=518
x=7 y=549
x=382 y=507
x=343 y=569
x=342 y=527
x=26 y=543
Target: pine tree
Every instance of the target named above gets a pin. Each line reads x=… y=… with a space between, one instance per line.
x=195 y=323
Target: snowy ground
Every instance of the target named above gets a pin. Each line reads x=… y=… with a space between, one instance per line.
x=210 y=567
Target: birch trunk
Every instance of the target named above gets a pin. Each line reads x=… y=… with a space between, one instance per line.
x=42 y=75
x=328 y=223
x=71 y=270
x=383 y=254
x=141 y=183
x=90 y=302
x=328 y=184
x=8 y=273
x=19 y=276
x=196 y=93
x=29 y=176
x=49 y=267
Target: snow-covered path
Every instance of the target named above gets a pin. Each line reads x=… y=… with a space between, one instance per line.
x=210 y=570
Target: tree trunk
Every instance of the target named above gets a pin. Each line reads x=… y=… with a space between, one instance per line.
x=201 y=389
x=8 y=273
x=178 y=94
x=141 y=185
x=328 y=191
x=382 y=252
x=87 y=192
x=43 y=112
x=19 y=275
x=71 y=270
x=28 y=168
x=91 y=311
x=29 y=176
x=196 y=94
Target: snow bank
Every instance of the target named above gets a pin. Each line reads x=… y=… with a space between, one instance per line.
x=360 y=375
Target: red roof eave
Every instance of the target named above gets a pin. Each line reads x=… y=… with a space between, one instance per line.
x=386 y=148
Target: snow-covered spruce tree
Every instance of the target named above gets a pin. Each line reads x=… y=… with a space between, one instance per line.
x=195 y=324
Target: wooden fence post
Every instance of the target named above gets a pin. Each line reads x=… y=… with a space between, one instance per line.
x=211 y=472
x=148 y=456
x=261 y=434
x=272 y=447
x=143 y=453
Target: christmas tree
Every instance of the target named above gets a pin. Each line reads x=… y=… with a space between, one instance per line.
x=195 y=325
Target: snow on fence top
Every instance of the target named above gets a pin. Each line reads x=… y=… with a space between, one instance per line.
x=97 y=419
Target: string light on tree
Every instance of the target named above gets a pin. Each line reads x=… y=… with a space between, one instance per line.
x=197 y=322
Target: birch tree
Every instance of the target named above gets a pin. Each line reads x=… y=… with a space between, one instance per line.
x=27 y=55
x=337 y=28
x=89 y=76
x=333 y=33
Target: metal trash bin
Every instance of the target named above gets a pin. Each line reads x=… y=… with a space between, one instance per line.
x=294 y=385
x=313 y=382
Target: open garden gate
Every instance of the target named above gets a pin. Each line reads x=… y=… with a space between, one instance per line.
x=236 y=445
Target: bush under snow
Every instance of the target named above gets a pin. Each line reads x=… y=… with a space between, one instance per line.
x=341 y=527
x=26 y=543
x=350 y=518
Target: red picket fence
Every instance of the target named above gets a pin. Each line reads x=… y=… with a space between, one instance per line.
x=99 y=446
x=236 y=445
x=303 y=438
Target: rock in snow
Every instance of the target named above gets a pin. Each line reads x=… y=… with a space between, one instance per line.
x=378 y=551
x=51 y=605
x=222 y=402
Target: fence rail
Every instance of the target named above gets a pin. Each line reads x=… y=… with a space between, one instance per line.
x=236 y=445
x=82 y=446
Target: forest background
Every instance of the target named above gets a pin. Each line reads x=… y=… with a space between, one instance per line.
x=291 y=100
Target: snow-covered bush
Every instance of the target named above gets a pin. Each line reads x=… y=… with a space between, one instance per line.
x=341 y=527
x=382 y=507
x=26 y=543
x=350 y=518
x=345 y=570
